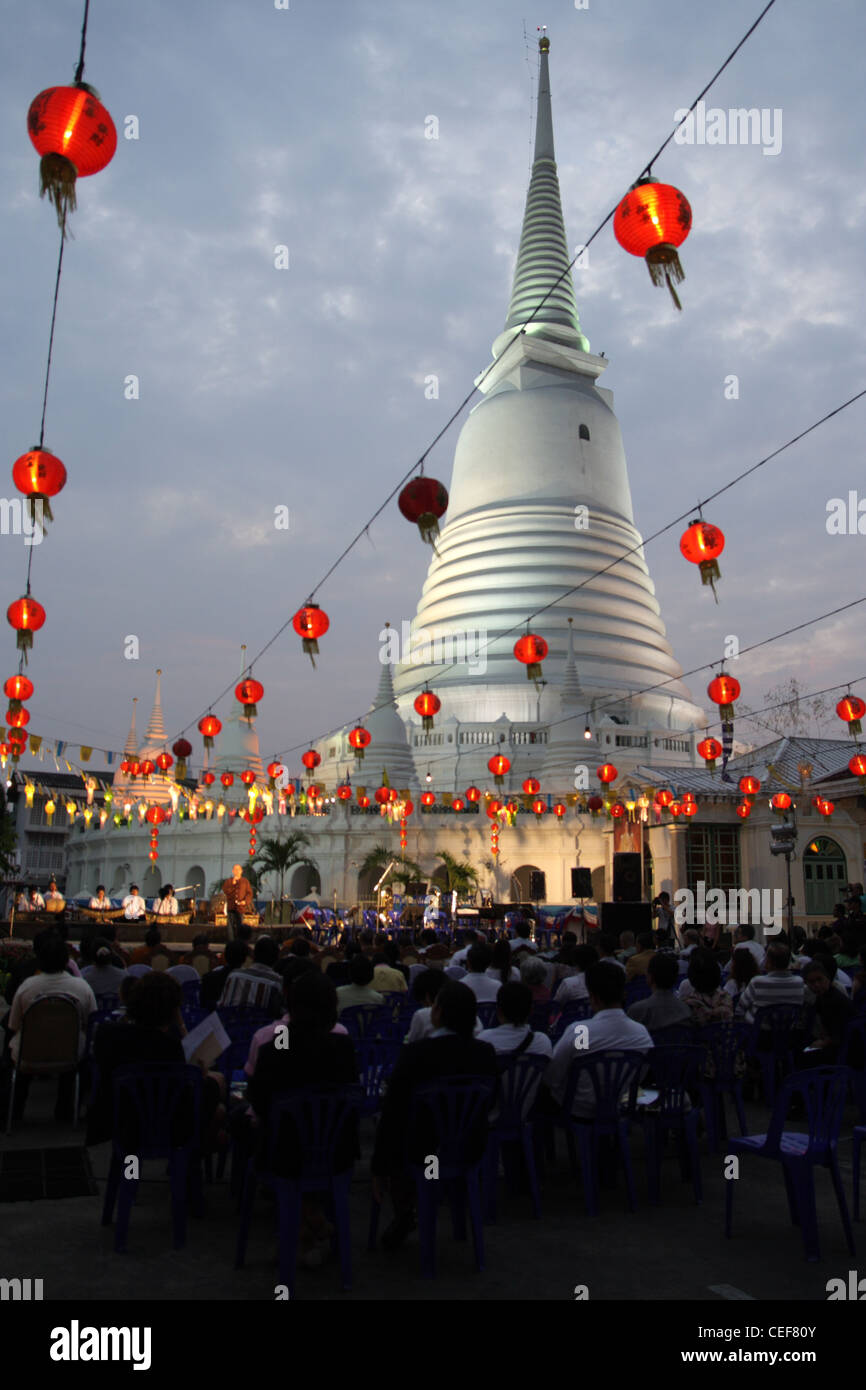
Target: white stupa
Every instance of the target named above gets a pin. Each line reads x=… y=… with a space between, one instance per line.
x=542 y=444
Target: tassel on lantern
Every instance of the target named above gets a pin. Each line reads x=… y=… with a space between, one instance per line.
x=57 y=176
x=665 y=268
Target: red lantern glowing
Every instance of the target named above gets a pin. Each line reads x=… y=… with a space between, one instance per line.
x=857 y=766
x=531 y=650
x=344 y=792
x=749 y=786
x=311 y=622
x=248 y=777
x=675 y=809
x=539 y=806
x=16 y=689
x=148 y=767
x=473 y=794
x=852 y=710
x=652 y=220
x=826 y=809
x=499 y=765
x=723 y=690
x=702 y=544
x=209 y=727
x=428 y=798
x=314 y=791
x=125 y=765
x=382 y=795
x=227 y=779
x=664 y=797
x=17 y=718
x=781 y=802
x=153 y=855
x=423 y=501
x=710 y=749
x=744 y=810
x=154 y=815
x=458 y=804
x=427 y=704
x=617 y=810
x=39 y=475
x=606 y=774
x=559 y=809
x=359 y=739
x=26 y=616
x=75 y=136
x=689 y=808
x=408 y=808
x=311 y=759
x=248 y=693
x=493 y=807
x=164 y=761
x=274 y=770
x=208 y=778
x=363 y=802
x=532 y=786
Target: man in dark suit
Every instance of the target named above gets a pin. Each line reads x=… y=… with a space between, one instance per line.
x=451 y=1050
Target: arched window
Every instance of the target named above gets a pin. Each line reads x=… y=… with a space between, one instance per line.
x=825 y=873
x=583 y=432
x=528 y=884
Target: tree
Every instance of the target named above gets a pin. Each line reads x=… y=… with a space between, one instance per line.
x=277 y=855
x=787 y=712
x=460 y=876
x=378 y=860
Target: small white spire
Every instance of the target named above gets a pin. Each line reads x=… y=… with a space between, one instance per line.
x=155 y=732
x=131 y=745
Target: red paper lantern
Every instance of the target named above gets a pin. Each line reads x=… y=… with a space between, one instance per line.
x=208 y=778
x=363 y=802
x=749 y=786
x=702 y=544
x=539 y=806
x=359 y=739
x=148 y=767
x=311 y=622
x=595 y=804
x=606 y=773
x=26 y=616
x=664 y=797
x=689 y=808
x=382 y=795
x=39 y=475
x=17 y=718
x=227 y=779
x=427 y=704
x=781 y=802
x=209 y=727
x=532 y=786
x=531 y=650
x=428 y=798
x=494 y=807
x=457 y=804
x=274 y=770
x=826 y=808
x=710 y=749
x=559 y=809
x=723 y=691
x=423 y=501
x=617 y=810
x=852 y=709
x=344 y=792
x=164 y=761
x=248 y=777
x=153 y=855
x=258 y=815
x=652 y=220
x=154 y=815
x=248 y=692
x=857 y=766
x=311 y=759
x=16 y=689
x=499 y=766
x=675 y=809
x=181 y=749
x=512 y=808
x=75 y=136
x=744 y=810
x=135 y=768
x=125 y=765
x=473 y=794
x=408 y=809
x=314 y=791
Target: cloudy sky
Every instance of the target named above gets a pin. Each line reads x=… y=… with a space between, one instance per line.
x=303 y=387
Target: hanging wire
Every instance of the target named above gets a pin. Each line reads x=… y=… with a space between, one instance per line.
x=79 y=71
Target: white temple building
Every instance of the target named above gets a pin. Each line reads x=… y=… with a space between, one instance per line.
x=539 y=506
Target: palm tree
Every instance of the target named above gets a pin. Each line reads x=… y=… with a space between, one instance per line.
x=378 y=860
x=277 y=855
x=460 y=877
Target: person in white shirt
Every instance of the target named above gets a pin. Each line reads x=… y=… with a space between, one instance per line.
x=166 y=906
x=425 y=987
x=99 y=902
x=22 y=902
x=53 y=895
x=36 y=902
x=52 y=957
x=744 y=940
x=513 y=1007
x=574 y=986
x=520 y=940
x=133 y=905
x=501 y=969
x=478 y=960
x=473 y=938
x=609 y=1028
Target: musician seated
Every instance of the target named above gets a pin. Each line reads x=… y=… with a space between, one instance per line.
x=53 y=896
x=34 y=902
x=166 y=906
x=134 y=907
x=99 y=902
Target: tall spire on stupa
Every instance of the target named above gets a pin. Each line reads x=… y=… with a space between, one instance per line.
x=155 y=732
x=131 y=745
x=389 y=747
x=542 y=278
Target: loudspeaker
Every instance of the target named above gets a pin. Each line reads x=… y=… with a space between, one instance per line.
x=536 y=885
x=620 y=917
x=581 y=883
x=626 y=878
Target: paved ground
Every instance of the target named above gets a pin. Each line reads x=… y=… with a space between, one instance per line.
x=676 y=1251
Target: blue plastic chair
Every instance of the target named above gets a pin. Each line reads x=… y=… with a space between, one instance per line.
x=151 y=1101
x=676 y=1070
x=823 y=1091
x=370 y=1020
x=318 y=1116
x=519 y=1083
x=191 y=991
x=726 y=1044
x=193 y=1014
x=853 y=1054
x=859 y=1136
x=576 y=1011
x=612 y=1075
x=486 y=1011
x=539 y=1019
x=377 y=1058
x=781 y=1028
x=138 y=970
